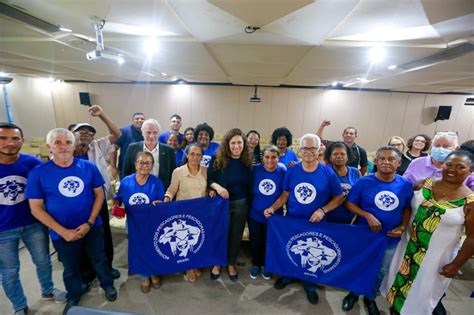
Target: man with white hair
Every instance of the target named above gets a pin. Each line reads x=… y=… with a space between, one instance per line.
x=164 y=156
x=66 y=195
x=311 y=190
x=444 y=142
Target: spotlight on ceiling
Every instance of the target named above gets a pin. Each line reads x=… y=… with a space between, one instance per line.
x=255 y=98
x=363 y=80
x=151 y=45
x=392 y=67
x=377 y=54
x=336 y=84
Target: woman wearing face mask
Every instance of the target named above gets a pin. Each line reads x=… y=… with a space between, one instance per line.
x=444 y=142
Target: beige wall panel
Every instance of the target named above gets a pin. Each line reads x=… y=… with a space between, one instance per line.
x=165 y=104
x=455 y=102
x=57 y=98
x=411 y=118
x=280 y=108
x=426 y=122
x=337 y=108
x=296 y=104
x=379 y=103
x=396 y=112
x=262 y=113
x=214 y=106
x=230 y=108
x=360 y=117
x=183 y=105
x=246 y=118
x=198 y=105
x=312 y=111
x=67 y=105
x=464 y=122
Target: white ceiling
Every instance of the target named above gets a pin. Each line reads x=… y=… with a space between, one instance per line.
x=301 y=42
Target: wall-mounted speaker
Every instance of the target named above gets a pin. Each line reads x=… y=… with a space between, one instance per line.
x=85 y=98
x=443 y=113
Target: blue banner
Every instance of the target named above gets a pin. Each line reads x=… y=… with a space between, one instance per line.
x=339 y=255
x=177 y=236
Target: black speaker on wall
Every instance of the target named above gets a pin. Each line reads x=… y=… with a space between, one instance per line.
x=443 y=113
x=85 y=98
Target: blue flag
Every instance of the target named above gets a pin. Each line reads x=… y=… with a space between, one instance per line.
x=339 y=255
x=177 y=236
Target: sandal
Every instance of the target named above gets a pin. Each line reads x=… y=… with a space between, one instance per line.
x=145 y=288
x=156 y=282
x=191 y=276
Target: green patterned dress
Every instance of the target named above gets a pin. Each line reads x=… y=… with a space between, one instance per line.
x=413 y=284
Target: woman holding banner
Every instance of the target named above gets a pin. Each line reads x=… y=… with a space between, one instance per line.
x=137 y=189
x=229 y=175
x=189 y=181
x=428 y=255
x=267 y=187
x=312 y=190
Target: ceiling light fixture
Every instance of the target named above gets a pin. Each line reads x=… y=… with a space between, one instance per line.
x=120 y=60
x=3 y=74
x=363 y=80
x=392 y=67
x=163 y=74
x=151 y=46
x=377 y=54
x=64 y=29
x=334 y=83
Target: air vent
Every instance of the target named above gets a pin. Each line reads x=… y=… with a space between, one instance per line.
x=27 y=19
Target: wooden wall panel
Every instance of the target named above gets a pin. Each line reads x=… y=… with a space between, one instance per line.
x=396 y=111
x=262 y=113
x=246 y=116
x=280 y=108
x=296 y=107
x=411 y=118
x=214 y=107
x=312 y=111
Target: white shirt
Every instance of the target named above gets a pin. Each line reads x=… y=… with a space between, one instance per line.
x=156 y=156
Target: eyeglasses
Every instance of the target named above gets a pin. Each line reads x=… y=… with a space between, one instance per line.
x=86 y=133
x=195 y=154
x=306 y=149
x=144 y=163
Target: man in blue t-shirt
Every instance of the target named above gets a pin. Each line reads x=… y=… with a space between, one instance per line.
x=381 y=201
x=17 y=223
x=311 y=190
x=175 y=125
x=130 y=134
x=66 y=195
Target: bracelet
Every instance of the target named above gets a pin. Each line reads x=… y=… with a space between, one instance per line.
x=90 y=224
x=322 y=209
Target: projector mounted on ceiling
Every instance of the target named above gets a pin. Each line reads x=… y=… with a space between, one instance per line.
x=255 y=98
x=100 y=53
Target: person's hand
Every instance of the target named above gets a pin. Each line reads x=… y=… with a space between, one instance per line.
x=212 y=193
x=291 y=163
x=70 y=235
x=82 y=230
x=223 y=192
x=317 y=216
x=114 y=173
x=374 y=223
x=396 y=232
x=155 y=202
x=325 y=123
x=167 y=199
x=95 y=110
x=268 y=212
x=449 y=270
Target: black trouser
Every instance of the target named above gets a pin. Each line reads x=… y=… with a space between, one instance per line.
x=88 y=273
x=238 y=214
x=258 y=241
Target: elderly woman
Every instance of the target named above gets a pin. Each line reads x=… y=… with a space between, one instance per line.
x=188 y=137
x=230 y=176
x=444 y=142
x=282 y=138
x=418 y=146
x=337 y=155
x=428 y=255
x=189 y=181
x=203 y=134
x=141 y=188
x=399 y=143
x=174 y=143
x=253 y=140
x=267 y=187
x=317 y=178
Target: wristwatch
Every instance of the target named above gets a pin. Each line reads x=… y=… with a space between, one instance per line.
x=90 y=224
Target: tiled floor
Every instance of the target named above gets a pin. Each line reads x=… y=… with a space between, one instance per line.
x=246 y=296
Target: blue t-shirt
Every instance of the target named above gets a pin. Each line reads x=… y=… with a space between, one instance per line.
x=83 y=157
x=267 y=187
x=130 y=134
x=288 y=157
x=209 y=153
x=384 y=200
x=68 y=192
x=14 y=208
x=163 y=138
x=180 y=155
x=131 y=193
x=341 y=214
x=309 y=191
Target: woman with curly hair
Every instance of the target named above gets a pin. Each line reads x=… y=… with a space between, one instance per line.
x=229 y=175
x=203 y=134
x=188 y=137
x=418 y=146
x=253 y=140
x=282 y=138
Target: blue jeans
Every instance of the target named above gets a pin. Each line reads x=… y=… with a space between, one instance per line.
x=35 y=238
x=70 y=254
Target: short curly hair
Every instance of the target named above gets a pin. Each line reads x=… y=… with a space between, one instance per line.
x=203 y=127
x=427 y=143
x=282 y=132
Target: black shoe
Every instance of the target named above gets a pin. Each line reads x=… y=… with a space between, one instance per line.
x=110 y=293
x=85 y=287
x=114 y=273
x=312 y=297
x=69 y=304
x=280 y=284
x=439 y=309
x=372 y=308
x=349 y=301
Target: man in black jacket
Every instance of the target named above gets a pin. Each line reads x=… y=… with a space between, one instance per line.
x=165 y=161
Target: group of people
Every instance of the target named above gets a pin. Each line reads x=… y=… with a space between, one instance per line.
x=423 y=212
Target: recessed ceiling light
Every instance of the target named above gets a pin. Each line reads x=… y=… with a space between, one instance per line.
x=149 y=73
x=334 y=84
x=163 y=74
x=392 y=67
x=151 y=45
x=64 y=29
x=120 y=60
x=377 y=54
x=3 y=74
x=51 y=79
x=363 y=80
